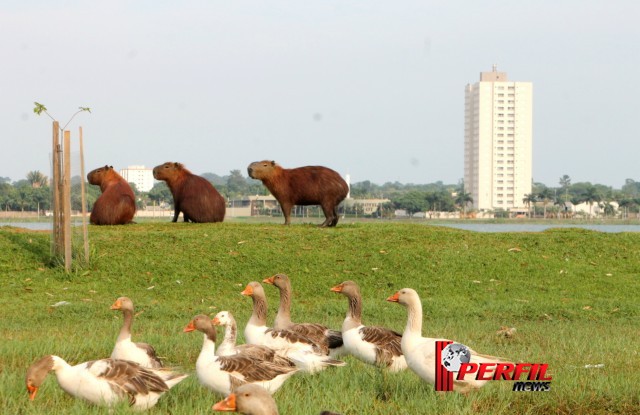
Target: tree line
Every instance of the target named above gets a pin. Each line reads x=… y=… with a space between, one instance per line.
x=33 y=193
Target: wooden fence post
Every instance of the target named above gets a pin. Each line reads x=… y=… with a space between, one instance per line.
x=57 y=227
x=66 y=191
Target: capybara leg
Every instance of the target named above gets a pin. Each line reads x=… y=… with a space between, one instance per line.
x=176 y=211
x=334 y=222
x=328 y=214
x=286 y=211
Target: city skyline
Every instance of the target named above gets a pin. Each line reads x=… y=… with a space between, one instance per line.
x=373 y=90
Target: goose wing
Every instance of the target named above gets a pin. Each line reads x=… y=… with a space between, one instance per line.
x=127 y=377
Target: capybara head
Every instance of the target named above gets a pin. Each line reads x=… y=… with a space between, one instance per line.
x=261 y=169
x=168 y=170
x=97 y=176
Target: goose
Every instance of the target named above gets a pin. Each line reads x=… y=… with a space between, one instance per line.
x=228 y=346
x=105 y=381
x=251 y=400
x=125 y=349
x=305 y=353
x=332 y=339
x=248 y=400
x=223 y=374
x=420 y=352
x=372 y=344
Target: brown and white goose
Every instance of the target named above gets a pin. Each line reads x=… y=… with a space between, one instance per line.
x=223 y=374
x=332 y=339
x=420 y=352
x=372 y=344
x=104 y=382
x=305 y=353
x=228 y=346
x=251 y=400
x=125 y=349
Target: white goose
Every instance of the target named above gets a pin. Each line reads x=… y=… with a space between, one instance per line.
x=420 y=352
x=251 y=400
x=104 y=382
x=372 y=344
x=228 y=346
x=307 y=355
x=125 y=349
x=319 y=333
x=223 y=374
x=248 y=400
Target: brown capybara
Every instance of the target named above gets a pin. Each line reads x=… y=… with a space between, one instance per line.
x=117 y=204
x=309 y=185
x=193 y=195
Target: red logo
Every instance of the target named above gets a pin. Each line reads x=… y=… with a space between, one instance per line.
x=454 y=358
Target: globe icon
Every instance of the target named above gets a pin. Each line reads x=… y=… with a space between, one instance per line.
x=455 y=355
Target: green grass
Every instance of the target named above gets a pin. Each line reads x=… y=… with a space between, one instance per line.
x=571 y=294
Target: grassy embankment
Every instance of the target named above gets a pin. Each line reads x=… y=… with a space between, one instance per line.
x=571 y=294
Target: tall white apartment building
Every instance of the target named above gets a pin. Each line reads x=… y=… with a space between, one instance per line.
x=140 y=175
x=498 y=131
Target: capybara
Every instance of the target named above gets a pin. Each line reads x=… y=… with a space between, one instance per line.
x=117 y=204
x=309 y=185
x=193 y=195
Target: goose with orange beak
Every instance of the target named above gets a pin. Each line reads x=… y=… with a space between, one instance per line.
x=303 y=351
x=248 y=400
x=420 y=352
x=375 y=345
x=104 y=382
x=125 y=348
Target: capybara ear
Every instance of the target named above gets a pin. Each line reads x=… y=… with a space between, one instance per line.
x=111 y=167
x=273 y=162
x=106 y=167
x=177 y=165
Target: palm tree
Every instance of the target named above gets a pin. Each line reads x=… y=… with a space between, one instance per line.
x=546 y=195
x=462 y=200
x=565 y=183
x=529 y=199
x=36 y=179
x=591 y=196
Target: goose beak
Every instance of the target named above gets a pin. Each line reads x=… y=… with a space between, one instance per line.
x=269 y=280
x=337 y=288
x=117 y=305
x=247 y=291
x=227 y=405
x=32 y=391
x=393 y=298
x=190 y=327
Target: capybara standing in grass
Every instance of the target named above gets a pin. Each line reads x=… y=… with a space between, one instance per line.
x=117 y=203
x=309 y=185
x=193 y=195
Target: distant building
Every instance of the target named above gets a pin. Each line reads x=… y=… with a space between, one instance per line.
x=368 y=206
x=253 y=206
x=140 y=175
x=498 y=142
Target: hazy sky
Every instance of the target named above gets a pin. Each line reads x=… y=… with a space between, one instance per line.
x=370 y=88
